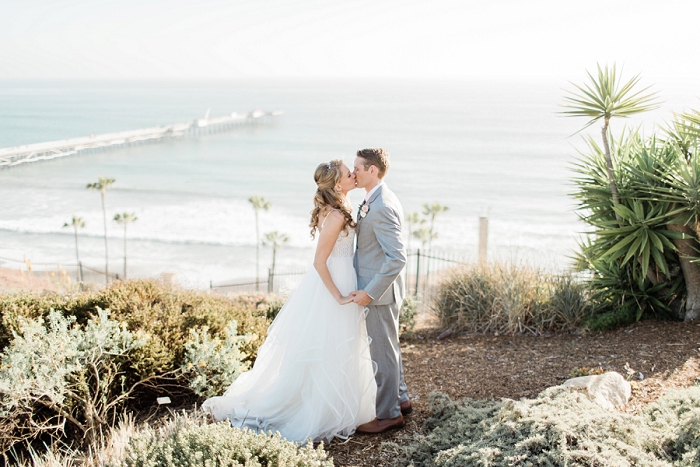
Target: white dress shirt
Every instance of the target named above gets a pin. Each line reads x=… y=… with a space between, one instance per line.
x=371 y=192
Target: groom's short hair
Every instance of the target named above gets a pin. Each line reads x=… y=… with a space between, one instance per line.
x=377 y=157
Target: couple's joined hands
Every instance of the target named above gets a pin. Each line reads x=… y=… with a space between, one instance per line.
x=359 y=296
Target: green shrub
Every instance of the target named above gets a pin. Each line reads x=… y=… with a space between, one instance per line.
x=559 y=427
x=610 y=320
x=506 y=298
x=163 y=314
x=407 y=316
x=212 y=364
x=273 y=308
x=60 y=380
x=187 y=441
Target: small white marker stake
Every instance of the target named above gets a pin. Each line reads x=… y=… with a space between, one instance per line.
x=163 y=400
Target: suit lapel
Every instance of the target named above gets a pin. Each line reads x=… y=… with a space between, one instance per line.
x=375 y=194
x=369 y=203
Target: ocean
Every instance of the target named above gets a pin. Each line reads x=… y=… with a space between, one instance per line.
x=496 y=149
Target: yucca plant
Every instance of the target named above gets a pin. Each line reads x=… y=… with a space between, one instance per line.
x=642 y=197
x=603 y=98
x=685 y=131
x=679 y=188
x=619 y=296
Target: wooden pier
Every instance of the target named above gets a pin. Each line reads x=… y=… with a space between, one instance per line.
x=17 y=155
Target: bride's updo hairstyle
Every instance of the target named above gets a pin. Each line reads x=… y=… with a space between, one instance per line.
x=327 y=176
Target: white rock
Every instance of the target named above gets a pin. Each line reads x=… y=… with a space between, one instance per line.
x=609 y=390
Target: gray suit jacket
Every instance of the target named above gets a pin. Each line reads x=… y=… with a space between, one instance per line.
x=381 y=256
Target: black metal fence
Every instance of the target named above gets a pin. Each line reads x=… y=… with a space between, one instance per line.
x=424 y=270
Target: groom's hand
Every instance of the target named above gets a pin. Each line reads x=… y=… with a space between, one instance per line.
x=361 y=298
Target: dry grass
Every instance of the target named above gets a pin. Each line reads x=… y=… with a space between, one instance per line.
x=501 y=298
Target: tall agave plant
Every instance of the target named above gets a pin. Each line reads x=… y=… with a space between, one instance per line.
x=603 y=98
x=632 y=246
x=680 y=189
x=642 y=198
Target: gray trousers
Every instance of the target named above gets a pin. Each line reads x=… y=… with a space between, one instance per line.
x=383 y=329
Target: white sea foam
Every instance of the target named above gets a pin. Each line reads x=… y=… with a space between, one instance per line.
x=213 y=222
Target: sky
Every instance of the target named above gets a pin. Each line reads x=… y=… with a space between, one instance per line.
x=473 y=39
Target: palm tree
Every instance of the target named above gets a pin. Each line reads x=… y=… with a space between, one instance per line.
x=125 y=219
x=101 y=185
x=431 y=211
x=425 y=236
x=413 y=220
x=77 y=223
x=258 y=203
x=604 y=98
x=275 y=239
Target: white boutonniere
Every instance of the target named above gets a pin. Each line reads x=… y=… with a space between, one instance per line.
x=364 y=209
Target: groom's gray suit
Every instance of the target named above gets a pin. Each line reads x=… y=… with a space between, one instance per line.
x=379 y=261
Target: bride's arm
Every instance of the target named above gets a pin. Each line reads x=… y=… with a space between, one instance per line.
x=326 y=241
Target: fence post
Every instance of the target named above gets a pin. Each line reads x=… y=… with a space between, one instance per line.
x=270 y=279
x=483 y=237
x=417 y=269
x=211 y=284
x=428 y=262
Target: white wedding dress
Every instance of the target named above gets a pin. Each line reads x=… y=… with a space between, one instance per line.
x=313 y=376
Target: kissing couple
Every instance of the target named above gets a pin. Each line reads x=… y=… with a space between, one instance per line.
x=331 y=363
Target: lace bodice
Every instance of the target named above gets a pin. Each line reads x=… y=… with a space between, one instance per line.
x=345 y=245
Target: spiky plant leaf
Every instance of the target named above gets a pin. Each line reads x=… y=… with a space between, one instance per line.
x=606 y=96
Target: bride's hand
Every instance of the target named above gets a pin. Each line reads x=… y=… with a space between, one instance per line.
x=344 y=300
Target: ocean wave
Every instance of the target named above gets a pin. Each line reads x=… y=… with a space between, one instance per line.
x=213 y=222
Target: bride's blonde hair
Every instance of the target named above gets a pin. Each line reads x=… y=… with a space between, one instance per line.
x=327 y=176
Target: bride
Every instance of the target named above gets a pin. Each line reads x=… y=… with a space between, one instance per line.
x=313 y=376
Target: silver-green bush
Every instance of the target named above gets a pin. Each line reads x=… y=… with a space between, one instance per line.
x=212 y=364
x=676 y=417
x=559 y=427
x=56 y=377
x=187 y=441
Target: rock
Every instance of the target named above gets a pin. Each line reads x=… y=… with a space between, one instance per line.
x=608 y=390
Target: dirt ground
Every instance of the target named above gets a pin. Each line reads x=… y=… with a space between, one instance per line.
x=656 y=355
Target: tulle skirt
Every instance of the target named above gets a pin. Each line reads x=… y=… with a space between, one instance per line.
x=313 y=376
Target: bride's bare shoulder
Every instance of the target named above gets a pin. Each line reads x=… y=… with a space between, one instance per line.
x=330 y=215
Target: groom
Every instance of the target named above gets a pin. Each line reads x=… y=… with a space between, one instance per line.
x=379 y=261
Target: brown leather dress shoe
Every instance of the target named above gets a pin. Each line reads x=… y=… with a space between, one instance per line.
x=380 y=426
x=406 y=407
